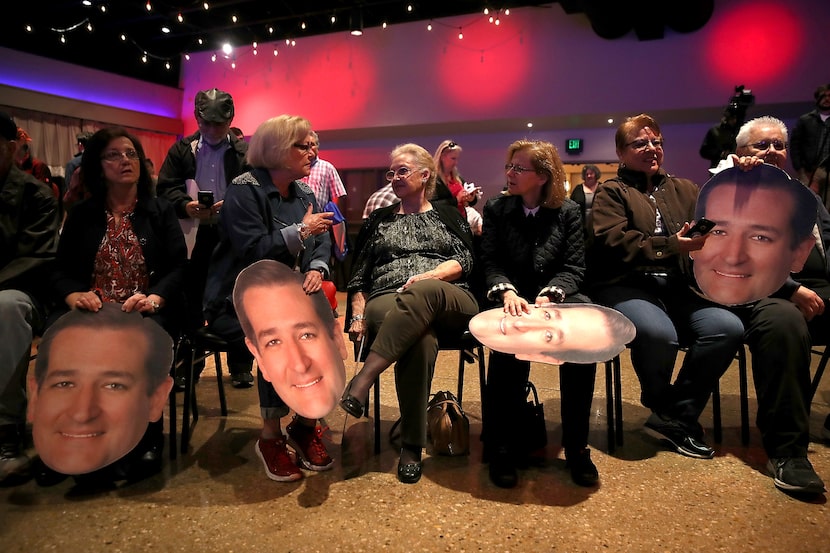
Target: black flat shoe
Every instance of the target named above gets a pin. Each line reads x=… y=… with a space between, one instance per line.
x=583 y=470
x=410 y=473
x=352 y=405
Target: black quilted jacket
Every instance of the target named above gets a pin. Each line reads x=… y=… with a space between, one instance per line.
x=532 y=253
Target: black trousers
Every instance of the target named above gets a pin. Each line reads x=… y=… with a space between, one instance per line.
x=778 y=337
x=504 y=398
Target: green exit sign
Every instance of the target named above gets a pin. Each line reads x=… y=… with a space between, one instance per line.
x=573 y=145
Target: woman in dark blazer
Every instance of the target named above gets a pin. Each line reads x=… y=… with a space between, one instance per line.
x=124 y=246
x=532 y=252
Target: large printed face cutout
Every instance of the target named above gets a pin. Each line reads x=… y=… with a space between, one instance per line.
x=763 y=232
x=94 y=402
x=298 y=353
x=555 y=333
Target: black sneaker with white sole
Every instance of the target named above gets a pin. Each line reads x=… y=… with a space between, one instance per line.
x=678 y=436
x=795 y=474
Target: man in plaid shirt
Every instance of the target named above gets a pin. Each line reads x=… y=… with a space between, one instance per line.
x=323 y=178
x=381 y=198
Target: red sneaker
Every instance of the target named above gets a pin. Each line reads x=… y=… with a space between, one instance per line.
x=308 y=444
x=277 y=461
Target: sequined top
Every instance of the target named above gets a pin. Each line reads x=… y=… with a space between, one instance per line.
x=406 y=245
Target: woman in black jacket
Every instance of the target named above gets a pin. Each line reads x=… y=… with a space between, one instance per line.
x=532 y=252
x=124 y=246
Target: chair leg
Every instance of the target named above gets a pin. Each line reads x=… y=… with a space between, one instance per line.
x=173 y=446
x=188 y=404
x=822 y=364
x=482 y=375
x=744 y=390
x=609 y=405
x=377 y=414
x=460 y=376
x=171 y=417
x=618 y=400
x=716 y=414
x=223 y=405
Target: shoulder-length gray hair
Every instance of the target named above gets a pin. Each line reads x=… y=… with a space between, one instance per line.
x=272 y=141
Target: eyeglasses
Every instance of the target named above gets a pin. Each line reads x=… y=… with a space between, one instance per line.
x=451 y=145
x=764 y=145
x=641 y=144
x=304 y=147
x=114 y=155
x=518 y=169
x=401 y=173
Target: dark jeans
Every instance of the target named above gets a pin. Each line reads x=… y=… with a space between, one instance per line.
x=666 y=314
x=505 y=397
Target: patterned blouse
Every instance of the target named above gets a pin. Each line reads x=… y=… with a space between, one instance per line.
x=407 y=245
x=120 y=269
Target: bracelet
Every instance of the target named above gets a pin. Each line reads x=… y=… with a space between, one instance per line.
x=555 y=293
x=356 y=318
x=303 y=230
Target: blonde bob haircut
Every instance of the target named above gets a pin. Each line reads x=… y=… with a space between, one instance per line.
x=546 y=161
x=422 y=160
x=272 y=141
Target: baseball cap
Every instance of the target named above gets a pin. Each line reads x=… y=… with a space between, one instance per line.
x=214 y=105
x=8 y=128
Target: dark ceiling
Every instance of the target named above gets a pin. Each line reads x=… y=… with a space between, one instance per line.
x=103 y=48
x=267 y=21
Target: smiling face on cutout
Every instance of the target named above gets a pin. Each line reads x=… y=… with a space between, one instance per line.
x=750 y=252
x=93 y=405
x=297 y=353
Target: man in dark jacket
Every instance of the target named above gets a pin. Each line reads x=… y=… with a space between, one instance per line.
x=206 y=161
x=28 y=239
x=810 y=143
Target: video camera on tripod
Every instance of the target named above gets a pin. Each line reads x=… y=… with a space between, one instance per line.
x=738 y=104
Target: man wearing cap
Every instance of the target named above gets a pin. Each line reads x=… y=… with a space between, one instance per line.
x=206 y=161
x=28 y=240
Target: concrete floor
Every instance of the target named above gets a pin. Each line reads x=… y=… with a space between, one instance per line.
x=216 y=498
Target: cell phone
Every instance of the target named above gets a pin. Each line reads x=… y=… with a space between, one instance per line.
x=205 y=198
x=700 y=228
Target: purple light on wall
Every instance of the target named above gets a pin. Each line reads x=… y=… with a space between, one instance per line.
x=34 y=73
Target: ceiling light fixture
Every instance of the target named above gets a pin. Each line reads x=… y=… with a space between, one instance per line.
x=356 y=22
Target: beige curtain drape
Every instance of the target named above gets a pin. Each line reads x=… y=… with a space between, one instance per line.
x=54 y=137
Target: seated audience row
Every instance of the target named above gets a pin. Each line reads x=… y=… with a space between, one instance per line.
x=410 y=286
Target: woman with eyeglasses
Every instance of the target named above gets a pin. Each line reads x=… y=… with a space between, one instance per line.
x=407 y=289
x=638 y=264
x=122 y=245
x=532 y=253
x=269 y=213
x=450 y=188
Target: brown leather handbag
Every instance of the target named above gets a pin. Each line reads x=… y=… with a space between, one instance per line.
x=448 y=427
